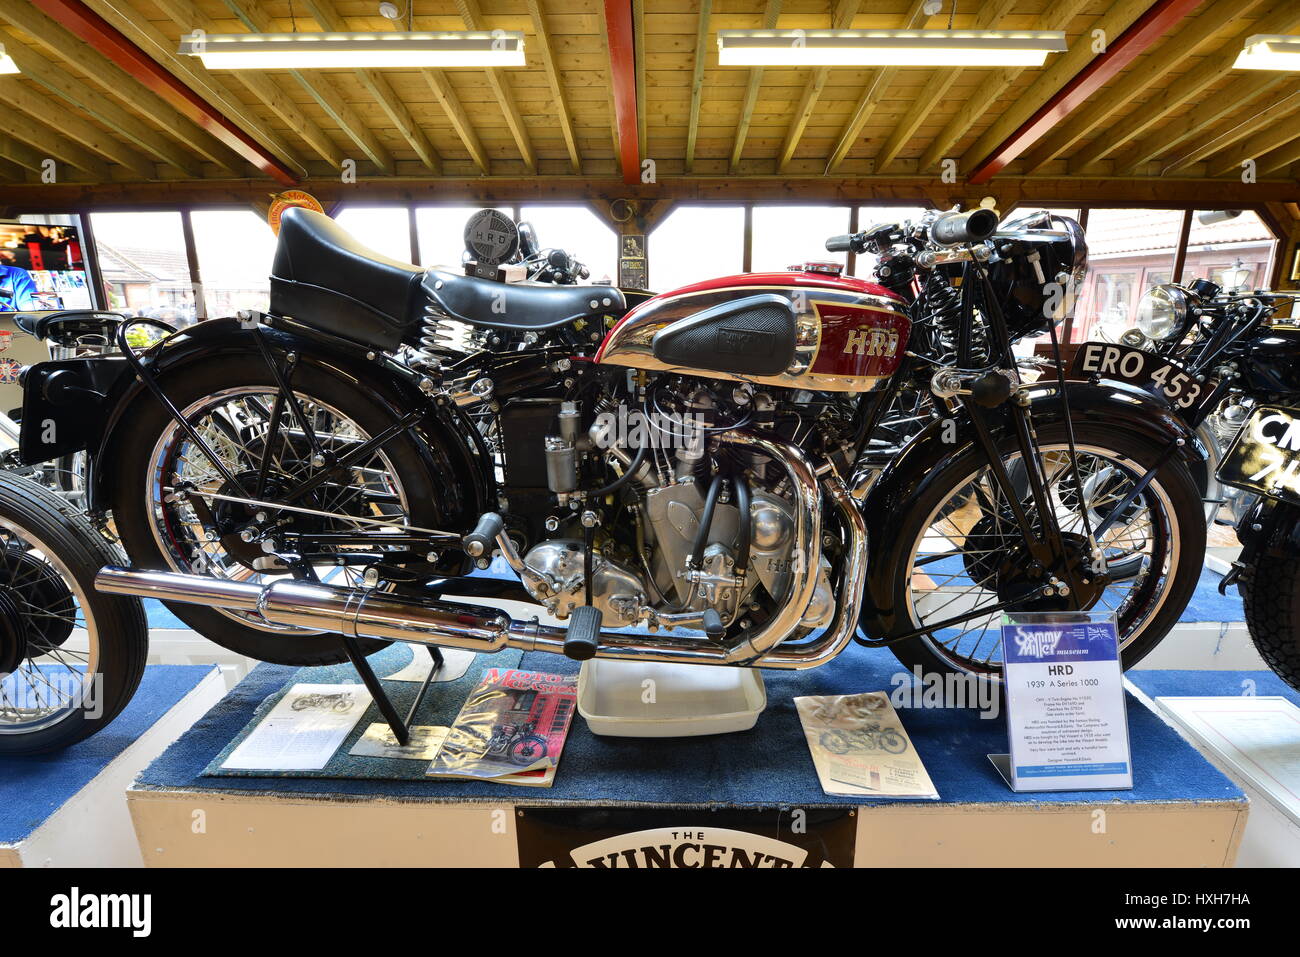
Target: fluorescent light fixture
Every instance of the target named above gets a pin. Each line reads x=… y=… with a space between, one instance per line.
x=7 y=64
x=324 y=51
x=1269 y=51
x=954 y=48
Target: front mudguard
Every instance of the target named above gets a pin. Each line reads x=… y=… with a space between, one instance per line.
x=231 y=340
x=1117 y=406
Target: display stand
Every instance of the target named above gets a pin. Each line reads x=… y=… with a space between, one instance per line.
x=740 y=787
x=68 y=809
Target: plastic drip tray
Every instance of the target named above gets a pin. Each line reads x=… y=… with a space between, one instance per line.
x=682 y=700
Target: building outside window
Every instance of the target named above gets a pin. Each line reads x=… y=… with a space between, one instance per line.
x=1129 y=250
x=144 y=266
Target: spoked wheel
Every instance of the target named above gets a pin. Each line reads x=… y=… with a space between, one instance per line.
x=230 y=524
x=964 y=552
x=70 y=658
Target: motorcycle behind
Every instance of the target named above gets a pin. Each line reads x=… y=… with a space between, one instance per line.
x=309 y=484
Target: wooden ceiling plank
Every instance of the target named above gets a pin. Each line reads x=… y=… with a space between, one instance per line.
x=48 y=73
x=189 y=17
x=39 y=134
x=473 y=19
x=542 y=40
x=770 y=14
x=841 y=18
x=456 y=114
x=20 y=154
x=1278 y=159
x=989 y=91
x=1279 y=17
x=18 y=96
x=110 y=42
x=327 y=17
x=321 y=89
x=1202 y=30
x=1130 y=26
x=1268 y=128
x=1216 y=109
x=940 y=82
x=697 y=81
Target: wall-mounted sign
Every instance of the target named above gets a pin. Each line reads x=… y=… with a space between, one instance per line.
x=632 y=271
x=290 y=198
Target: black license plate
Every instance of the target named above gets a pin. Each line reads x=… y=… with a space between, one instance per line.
x=1264 y=456
x=1162 y=377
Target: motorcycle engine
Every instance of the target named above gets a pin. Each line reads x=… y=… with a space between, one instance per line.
x=652 y=579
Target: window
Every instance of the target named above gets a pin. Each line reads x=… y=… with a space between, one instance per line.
x=1234 y=251
x=579 y=232
x=785 y=236
x=693 y=243
x=144 y=266
x=235 y=250
x=1128 y=251
x=869 y=216
x=441 y=233
x=385 y=229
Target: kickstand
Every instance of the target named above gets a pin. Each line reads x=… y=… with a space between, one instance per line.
x=401 y=728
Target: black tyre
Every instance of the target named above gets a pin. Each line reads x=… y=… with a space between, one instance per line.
x=1270 y=591
x=226 y=401
x=70 y=658
x=957 y=551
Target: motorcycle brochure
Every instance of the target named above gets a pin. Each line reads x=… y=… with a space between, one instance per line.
x=511 y=729
x=859 y=747
x=304 y=729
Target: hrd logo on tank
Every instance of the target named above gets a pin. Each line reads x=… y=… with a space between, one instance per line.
x=872 y=342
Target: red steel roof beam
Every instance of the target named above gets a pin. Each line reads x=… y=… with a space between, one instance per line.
x=89 y=26
x=622 y=65
x=1139 y=37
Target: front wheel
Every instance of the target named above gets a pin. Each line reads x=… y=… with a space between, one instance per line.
x=961 y=552
x=70 y=657
x=1270 y=592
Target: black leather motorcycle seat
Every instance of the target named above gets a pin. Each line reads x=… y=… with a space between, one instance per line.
x=499 y=305
x=323 y=278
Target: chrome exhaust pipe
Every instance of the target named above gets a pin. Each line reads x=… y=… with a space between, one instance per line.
x=365 y=613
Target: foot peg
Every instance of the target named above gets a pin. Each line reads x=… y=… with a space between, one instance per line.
x=480 y=542
x=583 y=636
x=713 y=626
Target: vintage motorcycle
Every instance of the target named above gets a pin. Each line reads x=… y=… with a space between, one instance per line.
x=1227 y=357
x=312 y=483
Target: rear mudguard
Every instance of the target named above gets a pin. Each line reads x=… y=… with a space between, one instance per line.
x=1120 y=407
x=392 y=383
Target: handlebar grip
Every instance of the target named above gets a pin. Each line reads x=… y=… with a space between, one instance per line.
x=974 y=226
x=839 y=244
x=481 y=541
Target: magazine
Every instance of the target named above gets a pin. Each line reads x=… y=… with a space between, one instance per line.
x=859 y=747
x=511 y=729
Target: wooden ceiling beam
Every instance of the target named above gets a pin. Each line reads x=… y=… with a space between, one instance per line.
x=323 y=90
x=20 y=97
x=935 y=90
x=1279 y=17
x=1202 y=30
x=542 y=41
x=1261 y=116
x=622 y=71
x=697 y=80
x=1279 y=159
x=89 y=26
x=1145 y=192
x=989 y=92
x=20 y=154
x=770 y=14
x=1193 y=124
x=473 y=19
x=1066 y=86
x=189 y=17
x=41 y=135
x=1278 y=132
x=460 y=122
x=327 y=17
x=841 y=18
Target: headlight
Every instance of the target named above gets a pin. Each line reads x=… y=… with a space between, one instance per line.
x=1162 y=312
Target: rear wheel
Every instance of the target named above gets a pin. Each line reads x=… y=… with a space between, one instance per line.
x=962 y=551
x=70 y=657
x=231 y=405
x=1270 y=591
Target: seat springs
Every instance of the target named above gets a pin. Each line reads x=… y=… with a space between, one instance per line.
x=440 y=334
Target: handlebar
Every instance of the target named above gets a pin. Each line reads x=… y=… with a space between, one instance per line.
x=841 y=244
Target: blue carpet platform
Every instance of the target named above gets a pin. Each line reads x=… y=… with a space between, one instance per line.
x=1196 y=684
x=768 y=766
x=33 y=788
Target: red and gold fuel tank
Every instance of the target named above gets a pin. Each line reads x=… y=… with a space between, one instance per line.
x=803 y=329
